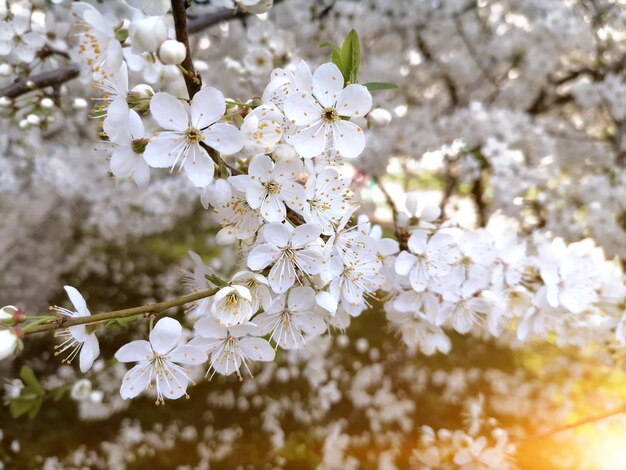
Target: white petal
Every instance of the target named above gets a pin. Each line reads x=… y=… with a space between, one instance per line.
x=89 y=352
x=260 y=167
x=417 y=242
x=301 y=299
x=165 y=335
x=257 y=349
x=224 y=138
x=310 y=141
x=354 y=100
x=199 y=167
x=162 y=150
x=327 y=83
x=305 y=234
x=169 y=112
x=273 y=208
x=135 y=381
x=174 y=384
x=282 y=275
x=261 y=256
x=349 y=139
x=123 y=162
x=77 y=300
x=187 y=355
x=135 y=351
x=277 y=234
x=302 y=109
x=404 y=262
x=207 y=106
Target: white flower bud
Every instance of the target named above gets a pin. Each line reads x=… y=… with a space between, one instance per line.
x=379 y=117
x=8 y=343
x=81 y=390
x=143 y=91
x=172 y=52
x=257 y=7
x=5 y=70
x=23 y=124
x=47 y=103
x=79 y=103
x=5 y=101
x=284 y=152
x=6 y=313
x=147 y=34
x=33 y=119
x=216 y=194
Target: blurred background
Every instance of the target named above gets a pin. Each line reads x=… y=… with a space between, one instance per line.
x=508 y=112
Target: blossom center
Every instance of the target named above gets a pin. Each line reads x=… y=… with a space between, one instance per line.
x=193 y=136
x=330 y=115
x=272 y=187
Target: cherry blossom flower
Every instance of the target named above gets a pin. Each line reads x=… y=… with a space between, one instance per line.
x=75 y=338
x=292 y=251
x=230 y=347
x=269 y=186
x=239 y=221
x=17 y=38
x=159 y=361
x=326 y=200
x=318 y=115
x=427 y=259
x=232 y=305
x=258 y=287
x=291 y=317
x=127 y=157
x=186 y=127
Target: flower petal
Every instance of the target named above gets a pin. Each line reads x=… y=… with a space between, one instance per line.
x=327 y=84
x=257 y=349
x=207 y=106
x=187 y=355
x=77 y=300
x=169 y=112
x=89 y=352
x=263 y=255
x=165 y=335
x=135 y=380
x=354 y=100
x=349 y=139
x=224 y=138
x=135 y=351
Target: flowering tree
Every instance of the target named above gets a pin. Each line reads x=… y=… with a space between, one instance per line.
x=455 y=167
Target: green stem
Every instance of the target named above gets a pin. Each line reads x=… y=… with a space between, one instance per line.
x=64 y=322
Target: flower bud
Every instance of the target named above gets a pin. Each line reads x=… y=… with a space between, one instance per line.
x=379 y=117
x=47 y=103
x=8 y=342
x=172 y=52
x=5 y=70
x=147 y=34
x=33 y=119
x=216 y=194
x=143 y=91
x=79 y=103
x=258 y=7
x=81 y=390
x=4 y=101
x=11 y=312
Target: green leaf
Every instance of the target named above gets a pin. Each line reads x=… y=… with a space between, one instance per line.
x=36 y=406
x=19 y=406
x=335 y=56
x=373 y=86
x=351 y=57
x=28 y=376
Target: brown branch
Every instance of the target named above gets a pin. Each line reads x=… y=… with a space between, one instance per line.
x=56 y=77
x=65 y=322
x=401 y=234
x=193 y=82
x=575 y=424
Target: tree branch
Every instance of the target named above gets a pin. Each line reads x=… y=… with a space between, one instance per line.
x=64 y=322
x=575 y=424
x=192 y=78
x=56 y=77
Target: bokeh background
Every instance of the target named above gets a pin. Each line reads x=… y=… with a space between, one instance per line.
x=508 y=112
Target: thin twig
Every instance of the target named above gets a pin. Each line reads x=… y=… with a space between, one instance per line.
x=24 y=85
x=64 y=322
x=575 y=424
x=401 y=234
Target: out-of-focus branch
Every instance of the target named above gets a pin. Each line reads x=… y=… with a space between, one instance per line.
x=575 y=424
x=401 y=234
x=64 y=74
x=56 y=77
